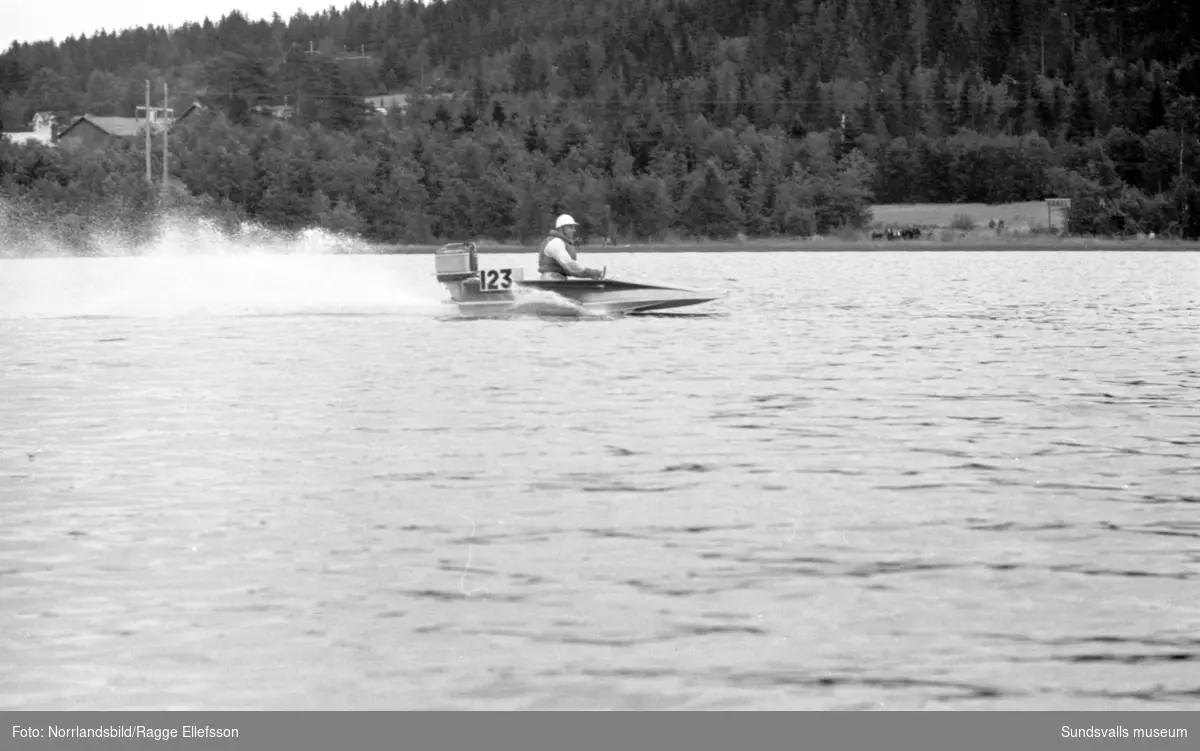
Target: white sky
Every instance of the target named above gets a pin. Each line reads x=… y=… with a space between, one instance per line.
x=27 y=21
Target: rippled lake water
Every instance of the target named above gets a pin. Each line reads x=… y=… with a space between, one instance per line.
x=863 y=480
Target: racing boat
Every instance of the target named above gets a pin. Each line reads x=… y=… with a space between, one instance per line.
x=499 y=292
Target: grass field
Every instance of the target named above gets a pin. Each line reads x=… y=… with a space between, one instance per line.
x=1028 y=214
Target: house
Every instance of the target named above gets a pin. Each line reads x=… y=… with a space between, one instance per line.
x=43 y=130
x=387 y=102
x=92 y=131
x=275 y=111
x=195 y=113
x=201 y=114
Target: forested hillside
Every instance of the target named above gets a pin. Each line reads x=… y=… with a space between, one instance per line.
x=644 y=117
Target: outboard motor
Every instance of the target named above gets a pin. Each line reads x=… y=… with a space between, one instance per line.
x=457 y=267
x=456 y=262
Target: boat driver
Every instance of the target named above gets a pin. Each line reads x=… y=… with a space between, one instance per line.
x=556 y=258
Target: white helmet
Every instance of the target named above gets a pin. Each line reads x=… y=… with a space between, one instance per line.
x=564 y=220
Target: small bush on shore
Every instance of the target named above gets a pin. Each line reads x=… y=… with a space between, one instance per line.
x=962 y=221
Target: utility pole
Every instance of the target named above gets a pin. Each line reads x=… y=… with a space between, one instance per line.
x=1182 y=193
x=149 y=179
x=166 y=147
x=1186 y=190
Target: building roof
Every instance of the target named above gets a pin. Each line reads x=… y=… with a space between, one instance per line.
x=193 y=107
x=123 y=127
x=117 y=126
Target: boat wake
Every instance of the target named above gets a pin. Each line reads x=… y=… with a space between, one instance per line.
x=193 y=269
x=539 y=302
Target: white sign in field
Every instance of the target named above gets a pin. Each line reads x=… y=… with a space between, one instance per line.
x=1062 y=206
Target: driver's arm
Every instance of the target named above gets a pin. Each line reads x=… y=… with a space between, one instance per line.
x=558 y=251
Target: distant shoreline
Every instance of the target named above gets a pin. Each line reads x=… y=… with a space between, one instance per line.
x=1026 y=232
x=945 y=228
x=969 y=245
x=1096 y=244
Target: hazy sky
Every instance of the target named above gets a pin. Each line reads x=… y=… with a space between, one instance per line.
x=28 y=21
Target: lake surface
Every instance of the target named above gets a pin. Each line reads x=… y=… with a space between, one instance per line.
x=862 y=481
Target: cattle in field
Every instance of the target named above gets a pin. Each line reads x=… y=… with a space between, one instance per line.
x=898 y=233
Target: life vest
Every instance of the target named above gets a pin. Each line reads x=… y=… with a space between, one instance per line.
x=546 y=264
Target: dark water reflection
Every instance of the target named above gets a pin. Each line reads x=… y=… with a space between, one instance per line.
x=941 y=481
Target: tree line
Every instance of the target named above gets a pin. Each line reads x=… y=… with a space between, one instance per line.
x=648 y=118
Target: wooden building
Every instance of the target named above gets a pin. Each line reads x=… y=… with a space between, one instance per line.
x=89 y=131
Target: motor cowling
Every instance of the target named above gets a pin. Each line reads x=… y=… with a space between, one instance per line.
x=455 y=262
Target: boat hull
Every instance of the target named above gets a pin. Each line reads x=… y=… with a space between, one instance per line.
x=573 y=298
